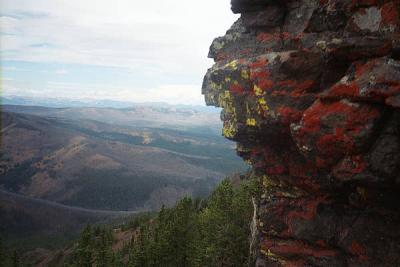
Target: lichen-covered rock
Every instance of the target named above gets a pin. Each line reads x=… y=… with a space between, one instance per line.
x=310 y=91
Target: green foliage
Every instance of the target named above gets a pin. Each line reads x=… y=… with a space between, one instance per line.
x=194 y=233
x=137 y=221
x=224 y=227
x=84 y=250
x=94 y=248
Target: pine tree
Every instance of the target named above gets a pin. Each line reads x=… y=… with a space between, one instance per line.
x=85 y=249
x=184 y=225
x=224 y=227
x=117 y=260
x=137 y=256
x=104 y=253
x=214 y=232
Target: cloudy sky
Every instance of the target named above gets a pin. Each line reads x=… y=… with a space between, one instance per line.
x=140 y=51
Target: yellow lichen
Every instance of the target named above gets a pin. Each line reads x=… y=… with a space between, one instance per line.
x=262 y=106
x=321 y=45
x=257 y=90
x=290 y=194
x=245 y=74
x=229 y=131
x=215 y=86
x=248 y=161
x=272 y=256
x=227 y=79
x=264 y=252
x=263 y=103
x=251 y=122
x=242 y=148
x=225 y=101
x=267 y=182
x=227 y=94
x=232 y=64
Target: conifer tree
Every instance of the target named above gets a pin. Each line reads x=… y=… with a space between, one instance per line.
x=224 y=227
x=104 y=254
x=213 y=232
x=85 y=249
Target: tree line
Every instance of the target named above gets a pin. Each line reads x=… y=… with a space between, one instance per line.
x=194 y=233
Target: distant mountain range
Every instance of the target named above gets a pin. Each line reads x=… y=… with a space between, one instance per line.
x=172 y=117
x=103 y=103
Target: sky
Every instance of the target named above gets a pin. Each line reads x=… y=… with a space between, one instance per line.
x=127 y=50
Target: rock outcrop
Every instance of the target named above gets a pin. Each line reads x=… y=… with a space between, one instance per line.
x=310 y=91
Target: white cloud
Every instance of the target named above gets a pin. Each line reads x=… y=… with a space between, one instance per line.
x=159 y=37
x=173 y=94
x=170 y=93
x=9 y=68
x=61 y=72
x=174 y=34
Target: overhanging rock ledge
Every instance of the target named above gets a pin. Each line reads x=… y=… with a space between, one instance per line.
x=310 y=91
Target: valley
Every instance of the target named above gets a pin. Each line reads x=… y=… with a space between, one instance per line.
x=102 y=160
x=28 y=223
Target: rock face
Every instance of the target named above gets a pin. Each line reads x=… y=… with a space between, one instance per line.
x=310 y=91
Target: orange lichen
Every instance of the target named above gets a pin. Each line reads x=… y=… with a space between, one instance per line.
x=259 y=63
x=236 y=88
x=390 y=14
x=267 y=37
x=358 y=250
x=289 y=115
x=344 y=90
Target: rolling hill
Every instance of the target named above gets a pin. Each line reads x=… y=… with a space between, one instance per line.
x=105 y=158
x=28 y=223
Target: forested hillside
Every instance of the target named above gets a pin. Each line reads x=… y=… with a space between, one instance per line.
x=210 y=232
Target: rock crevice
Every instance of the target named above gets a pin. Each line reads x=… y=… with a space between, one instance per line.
x=310 y=91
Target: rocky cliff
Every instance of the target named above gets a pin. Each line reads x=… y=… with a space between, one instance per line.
x=310 y=91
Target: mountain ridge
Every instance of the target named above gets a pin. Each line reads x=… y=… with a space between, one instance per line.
x=97 y=145
x=103 y=103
